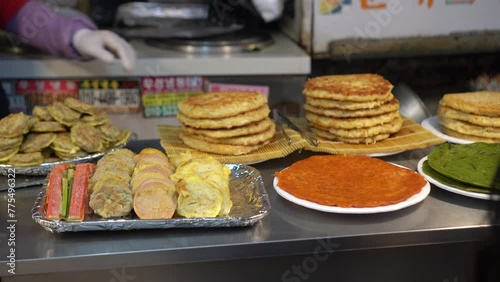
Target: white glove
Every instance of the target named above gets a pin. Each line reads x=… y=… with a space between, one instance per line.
x=105 y=46
x=269 y=9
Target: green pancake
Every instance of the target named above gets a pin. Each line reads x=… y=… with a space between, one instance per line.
x=475 y=164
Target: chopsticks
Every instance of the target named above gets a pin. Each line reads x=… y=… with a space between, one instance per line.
x=282 y=119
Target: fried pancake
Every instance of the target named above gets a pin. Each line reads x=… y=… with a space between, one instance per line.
x=10 y=143
x=471 y=118
x=252 y=139
x=5 y=155
x=386 y=128
x=222 y=149
x=14 y=125
x=361 y=140
x=346 y=105
x=86 y=137
x=453 y=133
x=390 y=106
x=229 y=122
x=63 y=143
x=79 y=106
x=109 y=132
x=26 y=159
x=122 y=138
x=348 y=183
x=469 y=128
x=215 y=105
x=349 y=123
x=111 y=201
x=483 y=103
x=350 y=87
x=63 y=114
x=98 y=118
x=35 y=142
x=248 y=129
x=42 y=113
x=197 y=198
x=48 y=126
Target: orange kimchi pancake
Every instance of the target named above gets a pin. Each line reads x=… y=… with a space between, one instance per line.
x=349 y=181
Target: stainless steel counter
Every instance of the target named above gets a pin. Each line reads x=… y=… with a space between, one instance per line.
x=442 y=218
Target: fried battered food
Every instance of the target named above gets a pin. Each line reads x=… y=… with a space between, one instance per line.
x=14 y=125
x=350 y=123
x=390 y=106
x=154 y=201
x=351 y=87
x=484 y=103
x=26 y=159
x=48 y=126
x=223 y=149
x=10 y=143
x=197 y=198
x=454 y=133
x=216 y=105
x=69 y=156
x=469 y=128
x=42 y=113
x=346 y=105
x=109 y=132
x=98 y=118
x=63 y=114
x=360 y=140
x=123 y=137
x=63 y=143
x=350 y=181
x=86 y=137
x=111 y=201
x=467 y=117
x=79 y=106
x=5 y=155
x=247 y=140
x=35 y=142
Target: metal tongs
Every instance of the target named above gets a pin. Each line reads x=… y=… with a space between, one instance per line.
x=282 y=119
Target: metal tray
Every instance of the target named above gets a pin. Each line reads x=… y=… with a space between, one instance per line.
x=44 y=169
x=250 y=204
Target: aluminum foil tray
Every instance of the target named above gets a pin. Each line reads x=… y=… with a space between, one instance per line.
x=250 y=204
x=45 y=168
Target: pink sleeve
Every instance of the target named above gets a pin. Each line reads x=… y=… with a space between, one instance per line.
x=40 y=26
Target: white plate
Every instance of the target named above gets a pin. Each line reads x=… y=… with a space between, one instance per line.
x=432 y=124
x=333 y=209
x=476 y=195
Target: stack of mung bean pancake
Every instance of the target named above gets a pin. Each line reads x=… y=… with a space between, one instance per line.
x=353 y=108
x=472 y=116
x=226 y=122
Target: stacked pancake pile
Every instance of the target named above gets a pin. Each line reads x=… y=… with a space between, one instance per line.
x=59 y=131
x=355 y=108
x=227 y=122
x=473 y=116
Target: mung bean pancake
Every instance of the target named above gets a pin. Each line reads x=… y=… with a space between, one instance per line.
x=387 y=107
x=349 y=123
x=63 y=143
x=484 y=103
x=386 y=128
x=453 y=133
x=63 y=114
x=248 y=129
x=98 y=118
x=347 y=182
x=5 y=155
x=214 y=105
x=26 y=159
x=251 y=139
x=109 y=132
x=350 y=87
x=229 y=122
x=86 y=137
x=346 y=105
x=469 y=128
x=467 y=117
x=47 y=126
x=223 y=149
x=14 y=125
x=35 y=142
x=69 y=156
x=10 y=143
x=360 y=140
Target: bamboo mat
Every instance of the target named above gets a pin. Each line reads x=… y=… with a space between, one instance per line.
x=411 y=136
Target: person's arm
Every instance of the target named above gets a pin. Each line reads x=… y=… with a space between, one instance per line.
x=76 y=37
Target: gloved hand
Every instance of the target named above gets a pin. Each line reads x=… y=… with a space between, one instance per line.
x=105 y=46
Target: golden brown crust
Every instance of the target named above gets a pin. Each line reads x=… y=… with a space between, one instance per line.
x=453 y=133
x=248 y=129
x=246 y=140
x=221 y=104
x=484 y=103
x=222 y=149
x=469 y=128
x=349 y=123
x=472 y=118
x=345 y=105
x=228 y=122
x=390 y=106
x=350 y=87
